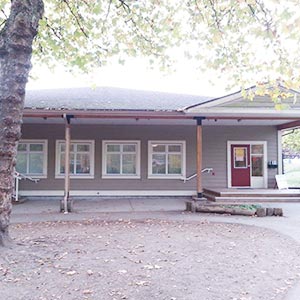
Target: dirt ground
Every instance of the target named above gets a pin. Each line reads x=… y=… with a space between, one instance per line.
x=147 y=260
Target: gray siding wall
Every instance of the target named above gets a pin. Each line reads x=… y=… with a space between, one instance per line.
x=108 y=132
x=214 y=153
x=215 y=149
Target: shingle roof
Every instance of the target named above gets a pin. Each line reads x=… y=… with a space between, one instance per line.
x=107 y=98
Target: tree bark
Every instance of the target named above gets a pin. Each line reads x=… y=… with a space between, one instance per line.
x=16 y=40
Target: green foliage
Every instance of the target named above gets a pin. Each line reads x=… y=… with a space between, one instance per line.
x=252 y=41
x=243 y=206
x=291 y=142
x=85 y=34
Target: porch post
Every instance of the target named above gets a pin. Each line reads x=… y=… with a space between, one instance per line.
x=66 y=207
x=199 y=157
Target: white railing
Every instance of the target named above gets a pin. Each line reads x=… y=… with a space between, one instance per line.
x=206 y=170
x=18 y=176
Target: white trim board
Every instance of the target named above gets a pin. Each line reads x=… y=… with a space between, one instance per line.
x=29 y=193
x=279 y=151
x=239 y=113
x=222 y=100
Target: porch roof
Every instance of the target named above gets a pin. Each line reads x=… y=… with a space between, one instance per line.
x=284 y=111
x=108 y=99
x=288 y=99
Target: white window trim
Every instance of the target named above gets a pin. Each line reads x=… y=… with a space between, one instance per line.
x=138 y=159
x=265 y=154
x=246 y=166
x=167 y=176
x=45 y=156
x=75 y=176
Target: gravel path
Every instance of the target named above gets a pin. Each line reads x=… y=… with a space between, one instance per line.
x=149 y=259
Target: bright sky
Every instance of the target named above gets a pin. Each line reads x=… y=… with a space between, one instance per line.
x=135 y=74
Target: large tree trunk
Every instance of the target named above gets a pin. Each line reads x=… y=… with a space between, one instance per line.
x=15 y=55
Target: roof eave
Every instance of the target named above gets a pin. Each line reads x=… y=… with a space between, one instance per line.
x=225 y=113
x=43 y=113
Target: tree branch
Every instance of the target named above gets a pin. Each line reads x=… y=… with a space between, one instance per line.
x=125 y=6
x=76 y=18
x=55 y=32
x=108 y=10
x=216 y=16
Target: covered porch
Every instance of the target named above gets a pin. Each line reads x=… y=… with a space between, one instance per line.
x=205 y=143
x=137 y=147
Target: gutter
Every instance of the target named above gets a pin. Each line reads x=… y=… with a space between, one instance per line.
x=30 y=113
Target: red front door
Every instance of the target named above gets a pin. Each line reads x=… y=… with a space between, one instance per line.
x=240 y=166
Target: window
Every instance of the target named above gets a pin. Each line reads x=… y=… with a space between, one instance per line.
x=257 y=160
x=166 y=159
x=81 y=159
x=121 y=159
x=32 y=158
x=240 y=158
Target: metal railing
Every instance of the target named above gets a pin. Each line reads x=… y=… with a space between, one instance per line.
x=205 y=170
x=18 y=176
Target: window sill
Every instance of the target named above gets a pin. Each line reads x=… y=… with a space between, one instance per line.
x=165 y=177
x=121 y=176
x=35 y=176
x=75 y=177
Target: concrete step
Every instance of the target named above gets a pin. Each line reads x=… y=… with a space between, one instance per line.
x=254 y=195
x=209 y=197
x=256 y=199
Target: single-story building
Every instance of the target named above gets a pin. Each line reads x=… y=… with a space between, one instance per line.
x=134 y=143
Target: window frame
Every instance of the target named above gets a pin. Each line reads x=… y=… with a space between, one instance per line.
x=256 y=155
x=91 y=175
x=45 y=156
x=246 y=156
x=137 y=160
x=183 y=159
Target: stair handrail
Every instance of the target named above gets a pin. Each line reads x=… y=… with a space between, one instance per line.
x=22 y=176
x=205 y=170
x=19 y=176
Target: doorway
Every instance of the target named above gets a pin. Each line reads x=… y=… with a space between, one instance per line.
x=247 y=164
